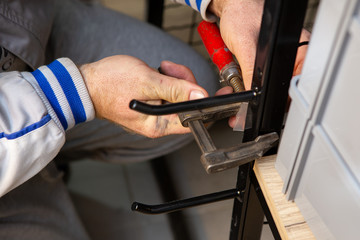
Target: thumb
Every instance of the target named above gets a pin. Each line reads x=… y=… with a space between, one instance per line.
x=177 y=90
x=245 y=55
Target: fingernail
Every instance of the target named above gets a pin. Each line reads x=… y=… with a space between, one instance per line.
x=196 y=94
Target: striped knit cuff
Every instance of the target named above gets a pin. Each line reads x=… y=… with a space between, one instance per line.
x=64 y=88
x=200 y=6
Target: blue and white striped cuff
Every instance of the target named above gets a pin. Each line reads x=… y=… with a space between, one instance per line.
x=200 y=6
x=65 y=90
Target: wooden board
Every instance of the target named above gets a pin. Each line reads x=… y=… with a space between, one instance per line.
x=287 y=216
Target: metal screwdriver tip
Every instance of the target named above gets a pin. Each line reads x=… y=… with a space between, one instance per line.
x=237 y=84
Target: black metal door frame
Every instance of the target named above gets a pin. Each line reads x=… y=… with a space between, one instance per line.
x=279 y=36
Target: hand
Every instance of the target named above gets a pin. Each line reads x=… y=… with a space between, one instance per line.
x=240 y=22
x=114 y=81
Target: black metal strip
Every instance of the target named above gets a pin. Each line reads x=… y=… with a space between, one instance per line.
x=276 y=51
x=185 y=203
x=239 y=209
x=264 y=206
x=192 y=105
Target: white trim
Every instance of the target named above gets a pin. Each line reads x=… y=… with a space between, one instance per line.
x=60 y=95
x=31 y=79
x=80 y=87
x=206 y=15
x=180 y=1
x=193 y=5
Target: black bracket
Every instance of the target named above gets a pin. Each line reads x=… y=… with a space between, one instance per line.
x=185 y=203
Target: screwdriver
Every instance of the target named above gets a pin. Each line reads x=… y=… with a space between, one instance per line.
x=229 y=70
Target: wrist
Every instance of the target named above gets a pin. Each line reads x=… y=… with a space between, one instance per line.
x=86 y=72
x=67 y=98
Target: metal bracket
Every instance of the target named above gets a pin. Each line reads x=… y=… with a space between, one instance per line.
x=185 y=203
x=216 y=160
x=194 y=114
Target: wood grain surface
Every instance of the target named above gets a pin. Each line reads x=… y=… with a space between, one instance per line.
x=287 y=216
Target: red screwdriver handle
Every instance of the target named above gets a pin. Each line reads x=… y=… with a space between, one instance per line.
x=211 y=37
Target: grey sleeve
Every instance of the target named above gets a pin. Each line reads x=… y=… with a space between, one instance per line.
x=34 y=115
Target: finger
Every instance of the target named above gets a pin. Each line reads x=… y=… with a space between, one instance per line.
x=299 y=61
x=232 y=121
x=224 y=90
x=244 y=49
x=301 y=52
x=245 y=54
x=177 y=71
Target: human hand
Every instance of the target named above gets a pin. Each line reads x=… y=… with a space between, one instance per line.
x=240 y=26
x=114 y=81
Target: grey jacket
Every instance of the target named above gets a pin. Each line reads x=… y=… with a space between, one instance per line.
x=37 y=108
x=25 y=28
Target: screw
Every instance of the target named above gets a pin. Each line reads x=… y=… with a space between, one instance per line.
x=237 y=84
